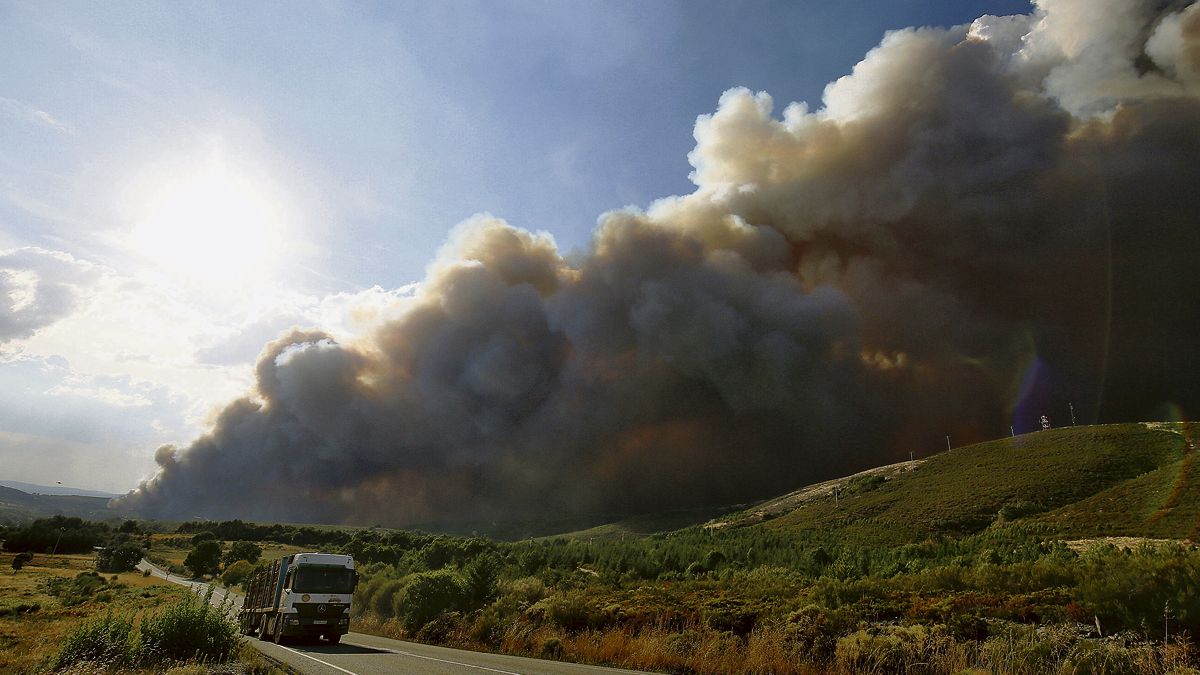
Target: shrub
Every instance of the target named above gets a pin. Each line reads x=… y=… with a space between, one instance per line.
x=479 y=581
x=525 y=591
x=569 y=610
x=1088 y=657
x=1025 y=650
x=20 y=559
x=106 y=640
x=890 y=649
x=816 y=630
x=425 y=595
x=191 y=629
x=77 y=590
x=551 y=649
x=439 y=629
x=236 y=573
x=381 y=596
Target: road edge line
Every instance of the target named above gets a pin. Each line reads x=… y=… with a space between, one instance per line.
x=432 y=658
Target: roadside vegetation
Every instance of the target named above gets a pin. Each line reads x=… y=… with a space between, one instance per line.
x=57 y=614
x=962 y=563
x=998 y=558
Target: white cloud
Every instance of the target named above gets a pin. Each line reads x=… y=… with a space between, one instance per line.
x=41 y=287
x=27 y=113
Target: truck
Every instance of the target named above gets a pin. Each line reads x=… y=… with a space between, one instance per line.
x=303 y=595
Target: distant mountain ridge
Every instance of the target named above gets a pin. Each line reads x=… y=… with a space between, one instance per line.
x=58 y=490
x=18 y=506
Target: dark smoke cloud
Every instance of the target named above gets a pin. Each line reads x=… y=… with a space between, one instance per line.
x=980 y=219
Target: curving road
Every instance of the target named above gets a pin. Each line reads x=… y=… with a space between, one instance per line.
x=361 y=654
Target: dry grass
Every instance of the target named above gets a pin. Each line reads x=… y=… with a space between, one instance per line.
x=768 y=649
x=30 y=635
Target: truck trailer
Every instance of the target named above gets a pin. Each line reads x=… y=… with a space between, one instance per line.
x=304 y=595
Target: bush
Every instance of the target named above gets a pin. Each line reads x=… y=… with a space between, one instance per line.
x=1026 y=649
x=106 y=640
x=20 y=559
x=236 y=573
x=890 y=649
x=425 y=595
x=191 y=629
x=568 y=609
x=551 y=649
x=439 y=629
x=77 y=590
x=525 y=591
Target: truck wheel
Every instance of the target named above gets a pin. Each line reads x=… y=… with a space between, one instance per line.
x=278 y=630
x=334 y=639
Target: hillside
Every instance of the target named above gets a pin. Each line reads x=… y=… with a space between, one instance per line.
x=1119 y=479
x=35 y=489
x=17 y=506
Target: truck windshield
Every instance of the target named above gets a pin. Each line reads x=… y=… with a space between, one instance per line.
x=311 y=579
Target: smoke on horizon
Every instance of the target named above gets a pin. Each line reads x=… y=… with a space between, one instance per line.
x=981 y=224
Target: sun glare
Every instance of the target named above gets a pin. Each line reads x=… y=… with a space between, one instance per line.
x=210 y=224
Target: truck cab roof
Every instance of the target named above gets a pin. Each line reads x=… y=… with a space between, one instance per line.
x=323 y=559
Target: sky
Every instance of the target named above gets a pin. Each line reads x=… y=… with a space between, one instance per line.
x=182 y=182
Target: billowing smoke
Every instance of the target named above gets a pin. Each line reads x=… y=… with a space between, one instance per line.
x=982 y=224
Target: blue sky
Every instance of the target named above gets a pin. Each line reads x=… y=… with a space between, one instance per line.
x=361 y=134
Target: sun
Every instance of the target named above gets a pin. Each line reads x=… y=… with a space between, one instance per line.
x=210 y=223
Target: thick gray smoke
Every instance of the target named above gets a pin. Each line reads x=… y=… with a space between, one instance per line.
x=980 y=220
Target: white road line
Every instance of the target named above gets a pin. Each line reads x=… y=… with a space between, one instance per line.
x=348 y=672
x=430 y=658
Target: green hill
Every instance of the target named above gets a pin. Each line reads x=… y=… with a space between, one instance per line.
x=19 y=507
x=1118 y=479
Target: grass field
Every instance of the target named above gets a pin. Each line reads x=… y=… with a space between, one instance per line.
x=34 y=619
x=38 y=611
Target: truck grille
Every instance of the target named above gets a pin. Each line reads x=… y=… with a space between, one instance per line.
x=320 y=610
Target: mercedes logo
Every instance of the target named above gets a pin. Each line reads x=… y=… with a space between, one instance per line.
x=321 y=608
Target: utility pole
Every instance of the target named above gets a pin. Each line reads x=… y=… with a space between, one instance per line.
x=1072 y=407
x=947 y=444
x=910 y=455
x=1012 y=431
x=60 y=534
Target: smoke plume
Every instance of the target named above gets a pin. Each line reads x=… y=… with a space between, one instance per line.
x=981 y=224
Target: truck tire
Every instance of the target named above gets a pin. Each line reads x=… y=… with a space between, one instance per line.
x=334 y=639
x=277 y=637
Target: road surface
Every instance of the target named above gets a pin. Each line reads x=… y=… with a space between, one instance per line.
x=360 y=654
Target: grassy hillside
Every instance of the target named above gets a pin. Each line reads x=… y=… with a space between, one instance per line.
x=19 y=507
x=1162 y=503
x=1129 y=479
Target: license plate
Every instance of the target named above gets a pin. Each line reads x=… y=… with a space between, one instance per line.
x=320 y=621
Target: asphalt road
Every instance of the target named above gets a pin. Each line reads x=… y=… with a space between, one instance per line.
x=360 y=654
